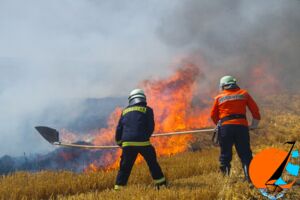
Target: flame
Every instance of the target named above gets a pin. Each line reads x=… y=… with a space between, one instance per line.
x=91 y=168
x=172 y=102
x=106 y=136
x=180 y=102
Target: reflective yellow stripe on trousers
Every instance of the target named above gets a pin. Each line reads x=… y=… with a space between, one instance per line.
x=158 y=181
x=136 y=144
x=118 y=187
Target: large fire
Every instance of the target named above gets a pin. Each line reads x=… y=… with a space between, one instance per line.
x=181 y=101
x=172 y=101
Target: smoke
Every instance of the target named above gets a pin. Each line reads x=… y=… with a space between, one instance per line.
x=234 y=36
x=55 y=54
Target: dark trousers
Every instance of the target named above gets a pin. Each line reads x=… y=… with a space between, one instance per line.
x=128 y=158
x=237 y=135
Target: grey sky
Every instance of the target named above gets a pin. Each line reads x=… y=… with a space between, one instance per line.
x=59 y=51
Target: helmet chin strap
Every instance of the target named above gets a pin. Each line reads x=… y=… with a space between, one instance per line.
x=230 y=87
x=136 y=101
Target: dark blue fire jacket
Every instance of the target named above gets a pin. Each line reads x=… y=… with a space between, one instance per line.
x=135 y=126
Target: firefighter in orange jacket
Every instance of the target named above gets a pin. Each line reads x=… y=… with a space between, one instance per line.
x=229 y=114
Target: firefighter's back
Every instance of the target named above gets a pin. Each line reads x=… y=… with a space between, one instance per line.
x=137 y=123
x=233 y=102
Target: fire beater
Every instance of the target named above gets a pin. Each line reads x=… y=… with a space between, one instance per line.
x=52 y=136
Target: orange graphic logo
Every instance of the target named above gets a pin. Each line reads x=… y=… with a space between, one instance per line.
x=273 y=171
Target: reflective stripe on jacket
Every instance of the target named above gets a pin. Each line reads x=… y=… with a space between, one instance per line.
x=135 y=126
x=234 y=101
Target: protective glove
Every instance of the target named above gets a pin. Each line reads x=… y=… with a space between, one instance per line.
x=254 y=124
x=119 y=143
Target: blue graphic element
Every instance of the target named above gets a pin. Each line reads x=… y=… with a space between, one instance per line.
x=280 y=181
x=295 y=154
x=292 y=169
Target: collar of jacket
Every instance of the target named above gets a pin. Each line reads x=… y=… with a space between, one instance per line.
x=138 y=103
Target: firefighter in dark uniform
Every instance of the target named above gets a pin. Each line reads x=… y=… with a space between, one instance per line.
x=133 y=132
x=229 y=114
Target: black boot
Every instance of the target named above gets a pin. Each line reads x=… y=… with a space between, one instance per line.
x=246 y=172
x=158 y=185
x=225 y=170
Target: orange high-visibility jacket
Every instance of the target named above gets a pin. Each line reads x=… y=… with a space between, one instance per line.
x=234 y=101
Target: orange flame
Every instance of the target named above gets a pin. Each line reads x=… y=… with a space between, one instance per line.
x=171 y=100
x=91 y=168
x=179 y=103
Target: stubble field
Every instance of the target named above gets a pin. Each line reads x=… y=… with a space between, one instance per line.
x=191 y=175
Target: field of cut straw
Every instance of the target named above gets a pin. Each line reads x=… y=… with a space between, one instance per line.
x=191 y=175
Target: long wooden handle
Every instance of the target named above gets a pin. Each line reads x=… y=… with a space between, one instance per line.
x=184 y=132
x=115 y=146
x=81 y=146
x=210 y=130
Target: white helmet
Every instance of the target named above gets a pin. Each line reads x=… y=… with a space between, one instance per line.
x=227 y=80
x=136 y=96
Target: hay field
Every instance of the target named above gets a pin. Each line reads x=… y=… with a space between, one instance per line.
x=192 y=175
